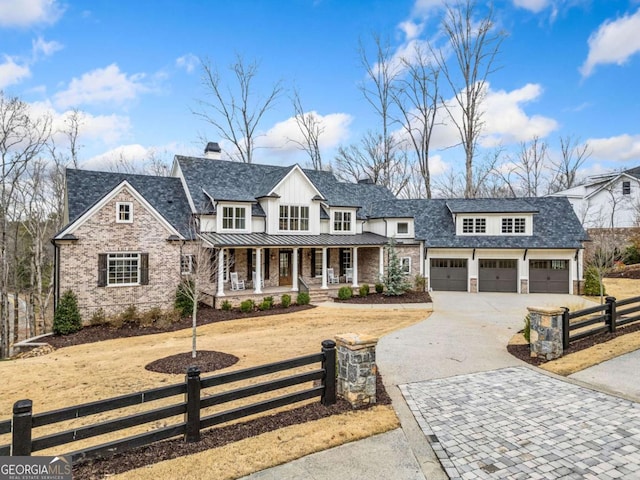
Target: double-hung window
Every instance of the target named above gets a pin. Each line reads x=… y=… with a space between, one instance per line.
x=294 y=218
x=342 y=221
x=233 y=218
x=124 y=212
x=514 y=225
x=123 y=269
x=186 y=264
x=481 y=225
x=405 y=265
x=626 y=188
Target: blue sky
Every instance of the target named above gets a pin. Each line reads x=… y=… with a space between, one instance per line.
x=568 y=67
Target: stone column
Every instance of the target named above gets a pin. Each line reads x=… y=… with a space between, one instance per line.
x=545 y=337
x=357 y=368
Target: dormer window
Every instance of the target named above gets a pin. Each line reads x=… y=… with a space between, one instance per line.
x=124 y=212
x=342 y=221
x=403 y=228
x=513 y=225
x=626 y=188
x=474 y=225
x=233 y=218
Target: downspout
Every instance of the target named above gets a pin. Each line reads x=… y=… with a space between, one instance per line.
x=56 y=274
x=577 y=256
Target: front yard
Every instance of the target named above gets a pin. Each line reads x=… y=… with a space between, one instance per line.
x=94 y=371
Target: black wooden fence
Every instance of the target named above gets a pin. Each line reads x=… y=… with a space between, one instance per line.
x=24 y=421
x=601 y=318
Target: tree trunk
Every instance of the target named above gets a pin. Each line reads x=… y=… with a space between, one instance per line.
x=16 y=316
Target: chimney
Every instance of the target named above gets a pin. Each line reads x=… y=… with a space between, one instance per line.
x=213 y=151
x=366 y=181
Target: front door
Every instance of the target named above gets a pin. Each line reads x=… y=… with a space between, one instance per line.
x=285 y=267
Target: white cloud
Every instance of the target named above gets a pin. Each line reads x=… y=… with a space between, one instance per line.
x=29 y=12
x=129 y=154
x=613 y=42
x=424 y=7
x=103 y=85
x=535 y=6
x=40 y=46
x=189 y=62
x=411 y=29
x=12 y=73
x=620 y=148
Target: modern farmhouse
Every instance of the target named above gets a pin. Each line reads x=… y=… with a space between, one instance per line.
x=269 y=230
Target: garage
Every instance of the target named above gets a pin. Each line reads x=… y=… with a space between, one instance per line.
x=449 y=274
x=549 y=276
x=498 y=275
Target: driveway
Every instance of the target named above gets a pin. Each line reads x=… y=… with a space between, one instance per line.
x=485 y=414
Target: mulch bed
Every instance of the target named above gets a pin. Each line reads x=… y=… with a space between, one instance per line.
x=628 y=272
x=215 y=438
x=206 y=315
x=206 y=361
x=382 y=299
x=523 y=352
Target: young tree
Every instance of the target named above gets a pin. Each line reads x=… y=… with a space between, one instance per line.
x=235 y=111
x=310 y=127
x=573 y=156
x=475 y=45
x=395 y=281
x=526 y=176
x=418 y=100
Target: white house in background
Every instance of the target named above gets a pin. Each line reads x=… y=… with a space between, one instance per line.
x=609 y=200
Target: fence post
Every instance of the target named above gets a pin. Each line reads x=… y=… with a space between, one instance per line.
x=21 y=428
x=565 y=328
x=329 y=367
x=192 y=416
x=611 y=313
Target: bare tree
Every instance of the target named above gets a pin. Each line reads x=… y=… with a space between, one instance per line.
x=236 y=112
x=367 y=161
x=475 y=45
x=22 y=138
x=526 y=174
x=574 y=154
x=311 y=128
x=381 y=76
x=485 y=182
x=417 y=99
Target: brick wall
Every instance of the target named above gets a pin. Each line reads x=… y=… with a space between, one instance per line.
x=101 y=234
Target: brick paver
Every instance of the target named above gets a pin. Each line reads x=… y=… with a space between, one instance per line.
x=517 y=423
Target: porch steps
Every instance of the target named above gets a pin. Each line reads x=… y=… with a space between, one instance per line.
x=319 y=296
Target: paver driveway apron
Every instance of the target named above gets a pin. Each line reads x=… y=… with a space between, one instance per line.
x=488 y=416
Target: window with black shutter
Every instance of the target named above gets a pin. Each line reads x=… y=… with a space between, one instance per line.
x=102 y=269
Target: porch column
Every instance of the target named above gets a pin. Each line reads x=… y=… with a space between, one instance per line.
x=324 y=267
x=294 y=286
x=354 y=265
x=381 y=266
x=258 y=266
x=220 y=273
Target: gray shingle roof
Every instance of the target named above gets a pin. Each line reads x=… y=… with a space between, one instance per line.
x=85 y=188
x=490 y=205
x=555 y=225
x=243 y=182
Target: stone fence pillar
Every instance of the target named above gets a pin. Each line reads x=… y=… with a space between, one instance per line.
x=357 y=368
x=545 y=338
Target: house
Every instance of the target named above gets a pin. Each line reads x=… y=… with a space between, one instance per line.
x=609 y=200
x=270 y=230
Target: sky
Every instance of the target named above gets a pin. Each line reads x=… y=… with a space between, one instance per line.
x=133 y=68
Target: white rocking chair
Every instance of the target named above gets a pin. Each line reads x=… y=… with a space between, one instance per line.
x=331 y=278
x=253 y=280
x=235 y=283
x=348 y=275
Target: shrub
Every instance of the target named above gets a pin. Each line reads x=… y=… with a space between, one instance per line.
x=364 y=290
x=420 y=283
x=168 y=317
x=184 y=299
x=67 y=317
x=285 y=300
x=98 y=317
x=303 y=298
x=226 y=305
x=150 y=317
x=631 y=255
x=395 y=280
x=267 y=303
x=130 y=315
x=247 y=306
x=592 y=282
x=527 y=329
x=379 y=287
x=345 y=293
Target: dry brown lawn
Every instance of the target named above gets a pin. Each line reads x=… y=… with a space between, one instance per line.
x=90 y=372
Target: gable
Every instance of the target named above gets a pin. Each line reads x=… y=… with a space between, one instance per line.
x=295 y=188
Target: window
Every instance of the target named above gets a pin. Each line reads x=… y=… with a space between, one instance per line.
x=481 y=225
x=346 y=259
x=513 y=225
x=342 y=221
x=123 y=269
x=233 y=218
x=467 y=225
x=186 y=264
x=405 y=265
x=403 y=228
x=294 y=218
x=626 y=188
x=318 y=262
x=124 y=212
x=474 y=225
